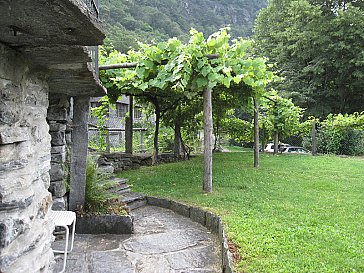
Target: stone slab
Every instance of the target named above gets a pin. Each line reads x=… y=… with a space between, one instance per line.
x=212 y=222
x=101 y=224
x=159 y=202
x=163 y=242
x=198 y=215
x=180 y=208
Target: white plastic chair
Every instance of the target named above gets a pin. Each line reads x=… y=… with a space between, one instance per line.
x=65 y=219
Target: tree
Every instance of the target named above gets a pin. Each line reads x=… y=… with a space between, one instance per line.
x=318 y=48
x=280 y=117
x=166 y=73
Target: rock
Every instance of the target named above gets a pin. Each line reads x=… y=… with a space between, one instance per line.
x=59 y=204
x=55 y=127
x=56 y=172
x=57 y=188
x=109 y=169
x=13 y=134
x=101 y=224
x=58 y=138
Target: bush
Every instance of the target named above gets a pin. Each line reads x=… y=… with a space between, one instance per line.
x=340 y=141
x=98 y=199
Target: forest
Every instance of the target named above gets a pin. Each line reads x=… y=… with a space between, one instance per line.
x=314 y=47
x=128 y=22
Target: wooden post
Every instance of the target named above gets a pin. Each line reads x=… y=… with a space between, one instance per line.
x=141 y=140
x=129 y=128
x=156 y=136
x=256 y=133
x=79 y=153
x=208 y=128
x=314 y=140
x=107 y=140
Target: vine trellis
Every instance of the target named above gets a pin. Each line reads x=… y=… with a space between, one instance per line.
x=171 y=72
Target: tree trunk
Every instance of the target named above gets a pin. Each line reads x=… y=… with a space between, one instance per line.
x=263 y=138
x=314 y=140
x=156 y=133
x=177 y=139
x=256 y=133
x=216 y=137
x=276 y=142
x=129 y=128
x=208 y=128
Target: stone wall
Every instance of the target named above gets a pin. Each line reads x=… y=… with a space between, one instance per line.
x=118 y=162
x=60 y=131
x=25 y=228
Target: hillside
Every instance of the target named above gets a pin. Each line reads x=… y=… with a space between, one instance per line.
x=129 y=21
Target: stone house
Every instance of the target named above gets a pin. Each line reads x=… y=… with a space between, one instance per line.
x=46 y=80
x=116 y=120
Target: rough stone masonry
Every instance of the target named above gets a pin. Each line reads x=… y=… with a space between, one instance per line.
x=25 y=230
x=42 y=56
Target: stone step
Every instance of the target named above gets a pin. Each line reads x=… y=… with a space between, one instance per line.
x=121 y=186
x=133 y=200
x=137 y=204
x=119 y=180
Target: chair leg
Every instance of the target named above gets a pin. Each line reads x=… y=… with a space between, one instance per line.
x=65 y=249
x=73 y=235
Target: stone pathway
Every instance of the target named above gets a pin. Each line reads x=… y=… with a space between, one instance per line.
x=164 y=242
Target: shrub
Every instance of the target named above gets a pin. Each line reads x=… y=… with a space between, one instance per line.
x=98 y=199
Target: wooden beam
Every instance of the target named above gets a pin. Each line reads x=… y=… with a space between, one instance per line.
x=133 y=65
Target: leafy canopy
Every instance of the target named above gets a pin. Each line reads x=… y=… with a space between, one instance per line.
x=172 y=69
x=318 y=48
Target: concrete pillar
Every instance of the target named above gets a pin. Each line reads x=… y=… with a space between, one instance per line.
x=79 y=152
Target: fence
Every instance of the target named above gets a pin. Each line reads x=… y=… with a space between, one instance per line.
x=115 y=138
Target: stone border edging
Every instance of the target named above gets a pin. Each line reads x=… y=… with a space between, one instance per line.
x=101 y=224
x=211 y=221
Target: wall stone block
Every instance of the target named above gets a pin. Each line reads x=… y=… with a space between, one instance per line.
x=9 y=114
x=57 y=172
x=9 y=91
x=54 y=127
x=17 y=202
x=58 y=138
x=59 y=204
x=13 y=165
x=57 y=113
x=58 y=149
x=57 y=188
x=12 y=134
x=10 y=229
x=58 y=158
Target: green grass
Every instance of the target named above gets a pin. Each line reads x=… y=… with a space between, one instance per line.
x=296 y=213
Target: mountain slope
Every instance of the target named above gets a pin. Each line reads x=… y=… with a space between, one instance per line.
x=129 y=21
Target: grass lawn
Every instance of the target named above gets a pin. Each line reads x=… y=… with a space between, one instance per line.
x=296 y=213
